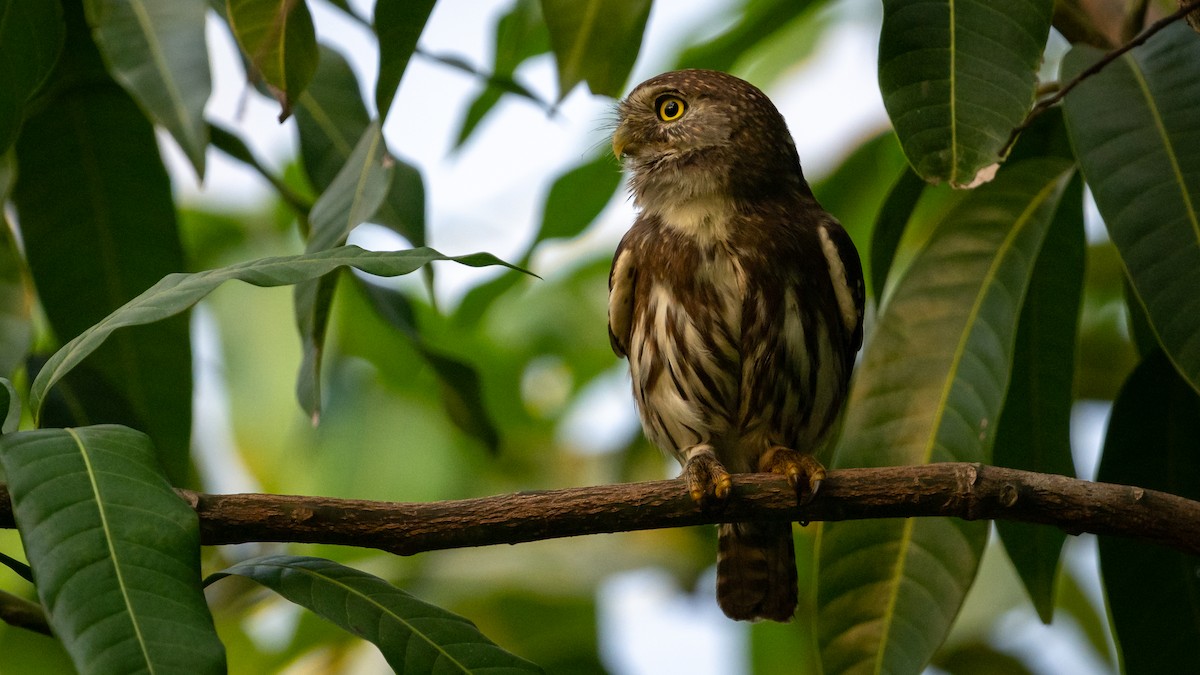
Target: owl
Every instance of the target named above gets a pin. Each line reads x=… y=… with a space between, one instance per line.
x=738 y=302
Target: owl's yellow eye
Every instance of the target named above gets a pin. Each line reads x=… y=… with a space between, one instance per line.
x=670 y=108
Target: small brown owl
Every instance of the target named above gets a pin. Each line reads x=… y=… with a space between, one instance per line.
x=738 y=301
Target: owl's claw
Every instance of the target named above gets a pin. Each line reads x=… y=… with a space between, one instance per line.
x=707 y=480
x=801 y=469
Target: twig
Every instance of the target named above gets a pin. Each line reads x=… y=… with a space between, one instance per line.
x=22 y=613
x=1096 y=67
x=969 y=491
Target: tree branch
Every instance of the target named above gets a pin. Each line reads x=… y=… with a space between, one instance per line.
x=968 y=491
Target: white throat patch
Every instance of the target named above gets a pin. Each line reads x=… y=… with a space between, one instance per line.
x=705 y=219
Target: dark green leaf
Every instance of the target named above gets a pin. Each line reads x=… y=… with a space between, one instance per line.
x=414 y=636
x=11 y=407
x=889 y=227
x=398 y=24
x=1035 y=427
x=156 y=50
x=520 y=34
x=577 y=197
x=16 y=326
x=957 y=77
x=115 y=550
x=175 y=293
x=331 y=117
x=596 y=41
x=355 y=193
x=930 y=389
x=461 y=391
x=278 y=38
x=1153 y=592
x=31 y=35
x=98 y=222
x=1134 y=127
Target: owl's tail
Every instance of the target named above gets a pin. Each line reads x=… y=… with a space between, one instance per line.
x=756 y=571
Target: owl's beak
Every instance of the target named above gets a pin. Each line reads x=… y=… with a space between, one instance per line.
x=620 y=141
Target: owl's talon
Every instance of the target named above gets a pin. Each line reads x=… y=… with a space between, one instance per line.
x=707 y=480
x=803 y=472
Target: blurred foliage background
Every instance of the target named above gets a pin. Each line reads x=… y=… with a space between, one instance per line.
x=459 y=382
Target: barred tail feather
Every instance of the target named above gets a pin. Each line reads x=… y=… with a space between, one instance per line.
x=756 y=571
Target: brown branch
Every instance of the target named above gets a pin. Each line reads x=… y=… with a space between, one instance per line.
x=968 y=491
x=1046 y=103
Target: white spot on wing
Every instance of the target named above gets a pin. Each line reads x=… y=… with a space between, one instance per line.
x=837 y=273
x=620 y=299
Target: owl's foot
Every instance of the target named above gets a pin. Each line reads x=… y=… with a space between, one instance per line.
x=707 y=481
x=802 y=470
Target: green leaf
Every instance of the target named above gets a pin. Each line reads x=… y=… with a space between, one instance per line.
x=520 y=34
x=461 y=390
x=1135 y=127
x=759 y=21
x=398 y=25
x=278 y=38
x=31 y=36
x=332 y=118
x=97 y=219
x=893 y=217
x=175 y=293
x=414 y=636
x=596 y=41
x=16 y=324
x=577 y=197
x=929 y=389
x=1153 y=592
x=355 y=193
x=12 y=407
x=1035 y=427
x=156 y=50
x=115 y=551
x=957 y=77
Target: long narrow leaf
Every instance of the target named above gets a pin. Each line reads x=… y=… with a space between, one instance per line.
x=156 y=50
x=1153 y=593
x=414 y=636
x=595 y=41
x=1135 y=128
x=930 y=389
x=279 y=39
x=31 y=36
x=177 y=292
x=398 y=25
x=115 y=551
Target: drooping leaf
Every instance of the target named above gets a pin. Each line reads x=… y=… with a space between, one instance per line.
x=355 y=193
x=929 y=389
x=115 y=550
x=176 y=293
x=332 y=118
x=1153 y=592
x=1134 y=127
x=957 y=77
x=398 y=25
x=520 y=34
x=414 y=636
x=156 y=50
x=461 y=391
x=1035 y=427
x=278 y=38
x=31 y=36
x=11 y=407
x=16 y=324
x=97 y=219
x=596 y=41
x=889 y=227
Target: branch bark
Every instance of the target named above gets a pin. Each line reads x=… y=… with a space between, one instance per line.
x=969 y=491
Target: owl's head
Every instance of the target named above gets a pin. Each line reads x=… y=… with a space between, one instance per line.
x=695 y=134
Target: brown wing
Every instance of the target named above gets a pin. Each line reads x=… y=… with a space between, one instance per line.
x=622 y=284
